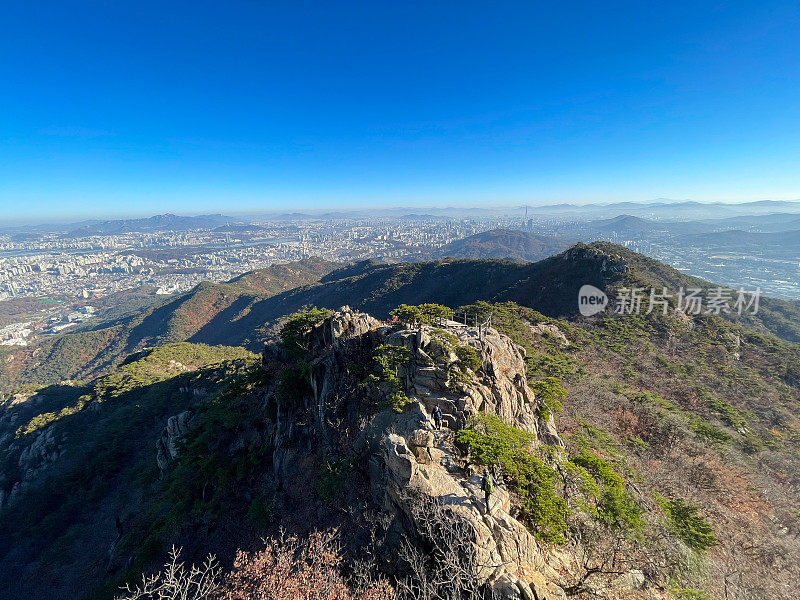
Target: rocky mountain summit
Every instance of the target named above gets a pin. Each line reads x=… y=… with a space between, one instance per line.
x=412 y=467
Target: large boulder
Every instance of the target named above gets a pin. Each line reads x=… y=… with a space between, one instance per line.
x=341 y=326
x=632 y=580
x=421 y=441
x=545 y=590
x=505 y=588
x=400 y=462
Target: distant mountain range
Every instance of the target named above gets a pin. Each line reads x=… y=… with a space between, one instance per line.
x=660 y=209
x=784 y=242
x=626 y=224
x=776 y=235
x=769 y=222
x=633 y=226
x=165 y=222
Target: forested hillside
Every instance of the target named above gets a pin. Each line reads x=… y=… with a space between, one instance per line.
x=76 y=462
x=505 y=243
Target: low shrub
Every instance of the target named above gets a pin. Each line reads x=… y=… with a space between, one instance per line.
x=490 y=441
x=614 y=506
x=708 y=431
x=685 y=521
x=549 y=393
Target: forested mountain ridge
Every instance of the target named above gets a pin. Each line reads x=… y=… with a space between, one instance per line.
x=504 y=243
x=247 y=310
x=74 y=458
x=700 y=428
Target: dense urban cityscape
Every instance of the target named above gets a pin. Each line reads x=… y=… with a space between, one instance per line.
x=55 y=280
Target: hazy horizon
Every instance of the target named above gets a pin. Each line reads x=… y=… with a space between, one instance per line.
x=486 y=208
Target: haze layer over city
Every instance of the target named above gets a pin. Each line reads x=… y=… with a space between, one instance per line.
x=55 y=277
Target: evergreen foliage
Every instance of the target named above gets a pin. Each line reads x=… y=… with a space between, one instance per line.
x=423 y=314
x=299 y=324
x=614 y=506
x=490 y=441
x=389 y=359
x=687 y=523
x=549 y=392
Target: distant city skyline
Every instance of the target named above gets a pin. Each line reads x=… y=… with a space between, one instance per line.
x=111 y=110
x=454 y=210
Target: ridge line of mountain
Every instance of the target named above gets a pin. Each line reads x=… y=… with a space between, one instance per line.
x=247 y=310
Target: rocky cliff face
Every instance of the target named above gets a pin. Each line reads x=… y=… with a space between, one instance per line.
x=408 y=486
x=507 y=557
x=26 y=461
x=168 y=444
x=410 y=463
x=500 y=389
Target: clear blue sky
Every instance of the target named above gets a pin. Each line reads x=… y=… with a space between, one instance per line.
x=143 y=107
